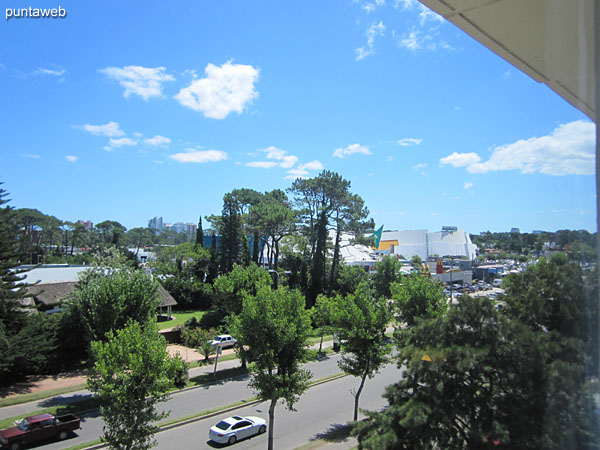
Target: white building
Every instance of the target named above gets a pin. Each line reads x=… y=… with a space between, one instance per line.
x=449 y=242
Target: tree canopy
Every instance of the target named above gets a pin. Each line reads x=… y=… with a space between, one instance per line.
x=274 y=325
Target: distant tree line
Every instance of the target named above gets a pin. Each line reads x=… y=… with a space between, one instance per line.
x=578 y=244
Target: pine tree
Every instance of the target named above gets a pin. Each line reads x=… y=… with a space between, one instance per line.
x=200 y=233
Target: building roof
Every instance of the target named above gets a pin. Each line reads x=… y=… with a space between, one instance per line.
x=552 y=41
x=51 y=293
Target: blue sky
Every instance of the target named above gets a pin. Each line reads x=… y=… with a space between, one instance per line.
x=130 y=110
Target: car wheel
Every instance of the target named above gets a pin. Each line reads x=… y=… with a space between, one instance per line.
x=15 y=446
x=262 y=429
x=62 y=435
x=232 y=440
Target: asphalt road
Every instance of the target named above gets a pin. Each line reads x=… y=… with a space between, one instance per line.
x=334 y=406
x=321 y=411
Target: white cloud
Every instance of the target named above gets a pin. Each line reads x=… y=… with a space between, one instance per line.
x=350 y=150
x=121 y=142
x=110 y=129
x=420 y=168
x=461 y=159
x=287 y=161
x=404 y=4
x=568 y=150
x=199 y=156
x=225 y=89
x=468 y=185
x=71 y=158
x=296 y=173
x=369 y=48
x=262 y=164
x=51 y=72
x=313 y=165
x=427 y=15
x=281 y=157
x=31 y=156
x=303 y=170
x=409 y=141
x=157 y=141
x=410 y=41
x=373 y=5
x=143 y=81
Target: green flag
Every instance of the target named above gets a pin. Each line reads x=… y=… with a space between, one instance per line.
x=377 y=236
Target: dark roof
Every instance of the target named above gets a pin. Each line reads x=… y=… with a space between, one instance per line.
x=167 y=299
x=52 y=293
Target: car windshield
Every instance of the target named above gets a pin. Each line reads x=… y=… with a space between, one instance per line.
x=23 y=425
x=222 y=425
x=218 y=338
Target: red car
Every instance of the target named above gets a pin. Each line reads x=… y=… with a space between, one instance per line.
x=38 y=428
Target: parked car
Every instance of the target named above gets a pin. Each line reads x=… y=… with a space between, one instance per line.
x=224 y=340
x=38 y=428
x=236 y=428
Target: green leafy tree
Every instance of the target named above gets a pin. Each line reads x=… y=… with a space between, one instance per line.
x=387 y=273
x=349 y=278
x=108 y=299
x=467 y=383
x=323 y=316
x=417 y=297
x=275 y=325
x=231 y=289
x=362 y=320
x=132 y=372
x=476 y=375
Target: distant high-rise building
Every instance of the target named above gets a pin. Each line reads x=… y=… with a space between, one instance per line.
x=179 y=227
x=515 y=230
x=537 y=232
x=190 y=229
x=88 y=224
x=156 y=223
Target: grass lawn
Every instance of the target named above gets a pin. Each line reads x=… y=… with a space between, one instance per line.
x=180 y=317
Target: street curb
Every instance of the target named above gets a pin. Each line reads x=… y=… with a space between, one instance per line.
x=250 y=402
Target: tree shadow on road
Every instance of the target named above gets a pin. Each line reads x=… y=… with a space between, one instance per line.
x=336 y=433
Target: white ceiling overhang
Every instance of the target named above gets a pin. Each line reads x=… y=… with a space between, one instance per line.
x=552 y=41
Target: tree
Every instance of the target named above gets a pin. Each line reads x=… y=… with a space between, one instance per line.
x=25 y=343
x=200 y=233
x=362 y=320
x=108 y=299
x=275 y=325
x=324 y=203
x=231 y=289
x=230 y=236
x=111 y=232
x=132 y=372
x=476 y=375
x=349 y=278
x=387 y=271
x=273 y=218
x=418 y=297
x=467 y=383
x=323 y=316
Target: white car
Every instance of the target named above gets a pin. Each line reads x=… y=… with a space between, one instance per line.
x=224 y=340
x=236 y=428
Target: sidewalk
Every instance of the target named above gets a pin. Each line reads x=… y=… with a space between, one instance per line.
x=37 y=384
